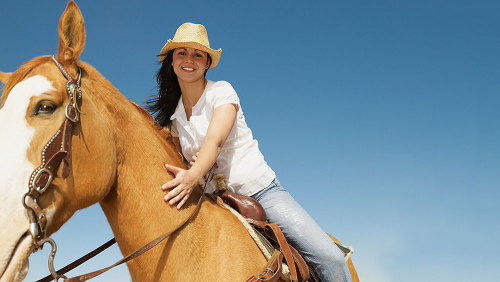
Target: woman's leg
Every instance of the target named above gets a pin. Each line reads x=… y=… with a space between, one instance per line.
x=303 y=233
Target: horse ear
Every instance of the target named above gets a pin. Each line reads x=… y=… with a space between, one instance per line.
x=4 y=77
x=71 y=34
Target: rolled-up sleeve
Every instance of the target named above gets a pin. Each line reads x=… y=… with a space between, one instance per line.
x=224 y=94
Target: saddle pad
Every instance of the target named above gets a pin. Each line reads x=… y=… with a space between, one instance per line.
x=265 y=247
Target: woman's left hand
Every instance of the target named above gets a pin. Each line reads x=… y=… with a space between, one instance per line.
x=182 y=185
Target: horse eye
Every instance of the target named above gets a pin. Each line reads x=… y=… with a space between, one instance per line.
x=45 y=107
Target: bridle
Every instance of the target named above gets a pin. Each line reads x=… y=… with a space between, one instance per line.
x=56 y=151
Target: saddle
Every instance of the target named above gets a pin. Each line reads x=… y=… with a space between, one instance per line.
x=244 y=205
x=271 y=233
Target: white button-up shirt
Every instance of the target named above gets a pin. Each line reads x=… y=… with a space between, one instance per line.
x=240 y=160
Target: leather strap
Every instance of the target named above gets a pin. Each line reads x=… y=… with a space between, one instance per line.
x=149 y=245
x=79 y=261
x=273 y=231
x=301 y=265
x=56 y=150
x=253 y=279
x=139 y=251
x=285 y=249
x=68 y=132
x=272 y=270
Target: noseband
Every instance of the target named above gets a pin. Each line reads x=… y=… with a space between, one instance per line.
x=56 y=151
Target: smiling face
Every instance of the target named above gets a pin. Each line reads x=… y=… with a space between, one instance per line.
x=190 y=64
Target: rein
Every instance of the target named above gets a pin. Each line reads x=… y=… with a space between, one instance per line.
x=55 y=152
x=108 y=244
x=131 y=256
x=149 y=245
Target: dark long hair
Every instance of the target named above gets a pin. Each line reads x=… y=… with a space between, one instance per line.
x=169 y=92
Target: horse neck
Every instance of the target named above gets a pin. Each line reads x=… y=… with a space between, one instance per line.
x=134 y=207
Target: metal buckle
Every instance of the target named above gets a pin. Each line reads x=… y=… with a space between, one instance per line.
x=37 y=177
x=68 y=113
x=265 y=272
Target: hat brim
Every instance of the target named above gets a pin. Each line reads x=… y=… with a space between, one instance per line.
x=170 y=45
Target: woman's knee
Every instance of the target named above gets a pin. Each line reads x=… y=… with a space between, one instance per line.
x=335 y=257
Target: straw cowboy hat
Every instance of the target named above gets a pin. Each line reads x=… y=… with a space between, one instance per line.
x=193 y=36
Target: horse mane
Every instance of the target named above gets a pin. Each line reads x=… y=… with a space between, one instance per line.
x=163 y=131
x=92 y=76
x=20 y=74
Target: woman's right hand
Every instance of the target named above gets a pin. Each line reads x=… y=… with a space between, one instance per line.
x=180 y=187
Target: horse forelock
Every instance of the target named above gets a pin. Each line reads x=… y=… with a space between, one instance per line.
x=20 y=74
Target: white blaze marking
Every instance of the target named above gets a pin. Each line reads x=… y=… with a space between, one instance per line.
x=15 y=169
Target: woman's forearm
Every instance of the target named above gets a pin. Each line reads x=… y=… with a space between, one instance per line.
x=220 y=126
x=185 y=180
x=205 y=158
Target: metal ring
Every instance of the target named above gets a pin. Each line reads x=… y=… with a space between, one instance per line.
x=24 y=201
x=37 y=177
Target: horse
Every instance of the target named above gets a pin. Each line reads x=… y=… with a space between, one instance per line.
x=115 y=159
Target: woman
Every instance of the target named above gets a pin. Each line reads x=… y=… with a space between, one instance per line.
x=206 y=119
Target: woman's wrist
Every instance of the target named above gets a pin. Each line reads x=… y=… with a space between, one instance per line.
x=195 y=174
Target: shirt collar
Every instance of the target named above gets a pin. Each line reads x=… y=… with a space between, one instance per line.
x=179 y=110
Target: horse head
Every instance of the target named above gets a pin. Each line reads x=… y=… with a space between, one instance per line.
x=39 y=101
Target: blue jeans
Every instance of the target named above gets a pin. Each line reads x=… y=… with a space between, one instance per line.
x=303 y=233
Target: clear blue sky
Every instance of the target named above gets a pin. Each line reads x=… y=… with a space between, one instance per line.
x=380 y=117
